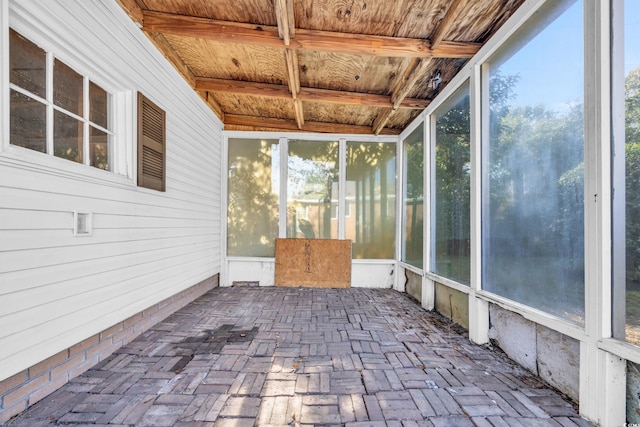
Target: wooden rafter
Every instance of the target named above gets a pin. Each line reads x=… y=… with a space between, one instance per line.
x=328 y=41
x=447 y=21
x=242 y=87
x=356 y=98
x=408 y=81
x=417 y=66
x=286 y=23
x=286 y=30
x=286 y=124
x=398 y=83
x=305 y=94
x=401 y=90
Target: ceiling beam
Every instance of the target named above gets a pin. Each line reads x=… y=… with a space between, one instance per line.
x=293 y=71
x=298 y=109
x=357 y=98
x=305 y=94
x=455 y=6
x=367 y=44
x=411 y=75
x=328 y=41
x=191 y=26
x=286 y=30
x=242 y=88
x=290 y=125
x=285 y=18
x=417 y=67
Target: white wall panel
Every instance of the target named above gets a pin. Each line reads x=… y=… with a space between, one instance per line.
x=57 y=289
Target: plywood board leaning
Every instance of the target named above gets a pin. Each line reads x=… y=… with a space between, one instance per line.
x=313 y=263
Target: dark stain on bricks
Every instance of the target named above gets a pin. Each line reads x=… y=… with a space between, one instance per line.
x=212 y=341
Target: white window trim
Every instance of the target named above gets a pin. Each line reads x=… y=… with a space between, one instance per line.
x=4 y=75
x=121 y=108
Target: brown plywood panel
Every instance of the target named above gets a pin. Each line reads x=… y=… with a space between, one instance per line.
x=478 y=20
x=343 y=114
x=401 y=117
x=351 y=73
x=210 y=58
x=248 y=11
x=313 y=263
x=248 y=105
x=382 y=17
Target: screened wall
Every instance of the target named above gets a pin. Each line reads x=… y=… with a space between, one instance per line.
x=517 y=188
x=413 y=198
x=533 y=170
x=253 y=197
x=319 y=192
x=450 y=188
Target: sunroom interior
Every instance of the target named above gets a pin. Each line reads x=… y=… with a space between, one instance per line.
x=479 y=156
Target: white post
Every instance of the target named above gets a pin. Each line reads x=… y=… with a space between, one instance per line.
x=478 y=308
x=602 y=374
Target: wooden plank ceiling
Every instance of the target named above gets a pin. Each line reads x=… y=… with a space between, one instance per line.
x=340 y=66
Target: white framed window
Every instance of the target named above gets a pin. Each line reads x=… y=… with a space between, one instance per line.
x=451 y=188
x=56 y=110
x=413 y=197
x=533 y=165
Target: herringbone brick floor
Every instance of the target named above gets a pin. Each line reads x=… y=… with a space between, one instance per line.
x=248 y=356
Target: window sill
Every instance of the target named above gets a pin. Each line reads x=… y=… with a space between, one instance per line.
x=622 y=349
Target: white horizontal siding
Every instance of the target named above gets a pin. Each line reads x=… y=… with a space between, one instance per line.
x=57 y=289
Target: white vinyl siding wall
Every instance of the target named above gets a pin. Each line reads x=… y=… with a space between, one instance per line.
x=57 y=289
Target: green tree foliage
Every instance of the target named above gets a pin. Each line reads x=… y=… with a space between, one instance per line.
x=453 y=178
x=452 y=192
x=536 y=178
x=534 y=223
x=632 y=177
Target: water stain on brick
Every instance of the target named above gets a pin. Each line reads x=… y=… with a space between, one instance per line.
x=212 y=341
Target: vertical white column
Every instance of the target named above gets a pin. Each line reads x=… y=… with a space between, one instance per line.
x=342 y=187
x=284 y=175
x=224 y=211
x=602 y=375
x=399 y=208
x=428 y=297
x=478 y=308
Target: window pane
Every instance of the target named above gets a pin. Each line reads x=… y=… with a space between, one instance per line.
x=98 y=105
x=533 y=206
x=451 y=183
x=27 y=63
x=632 y=170
x=67 y=137
x=413 y=183
x=371 y=172
x=253 y=191
x=312 y=190
x=99 y=149
x=67 y=88
x=28 y=122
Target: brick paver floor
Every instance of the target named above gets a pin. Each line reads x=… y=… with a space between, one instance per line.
x=246 y=356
